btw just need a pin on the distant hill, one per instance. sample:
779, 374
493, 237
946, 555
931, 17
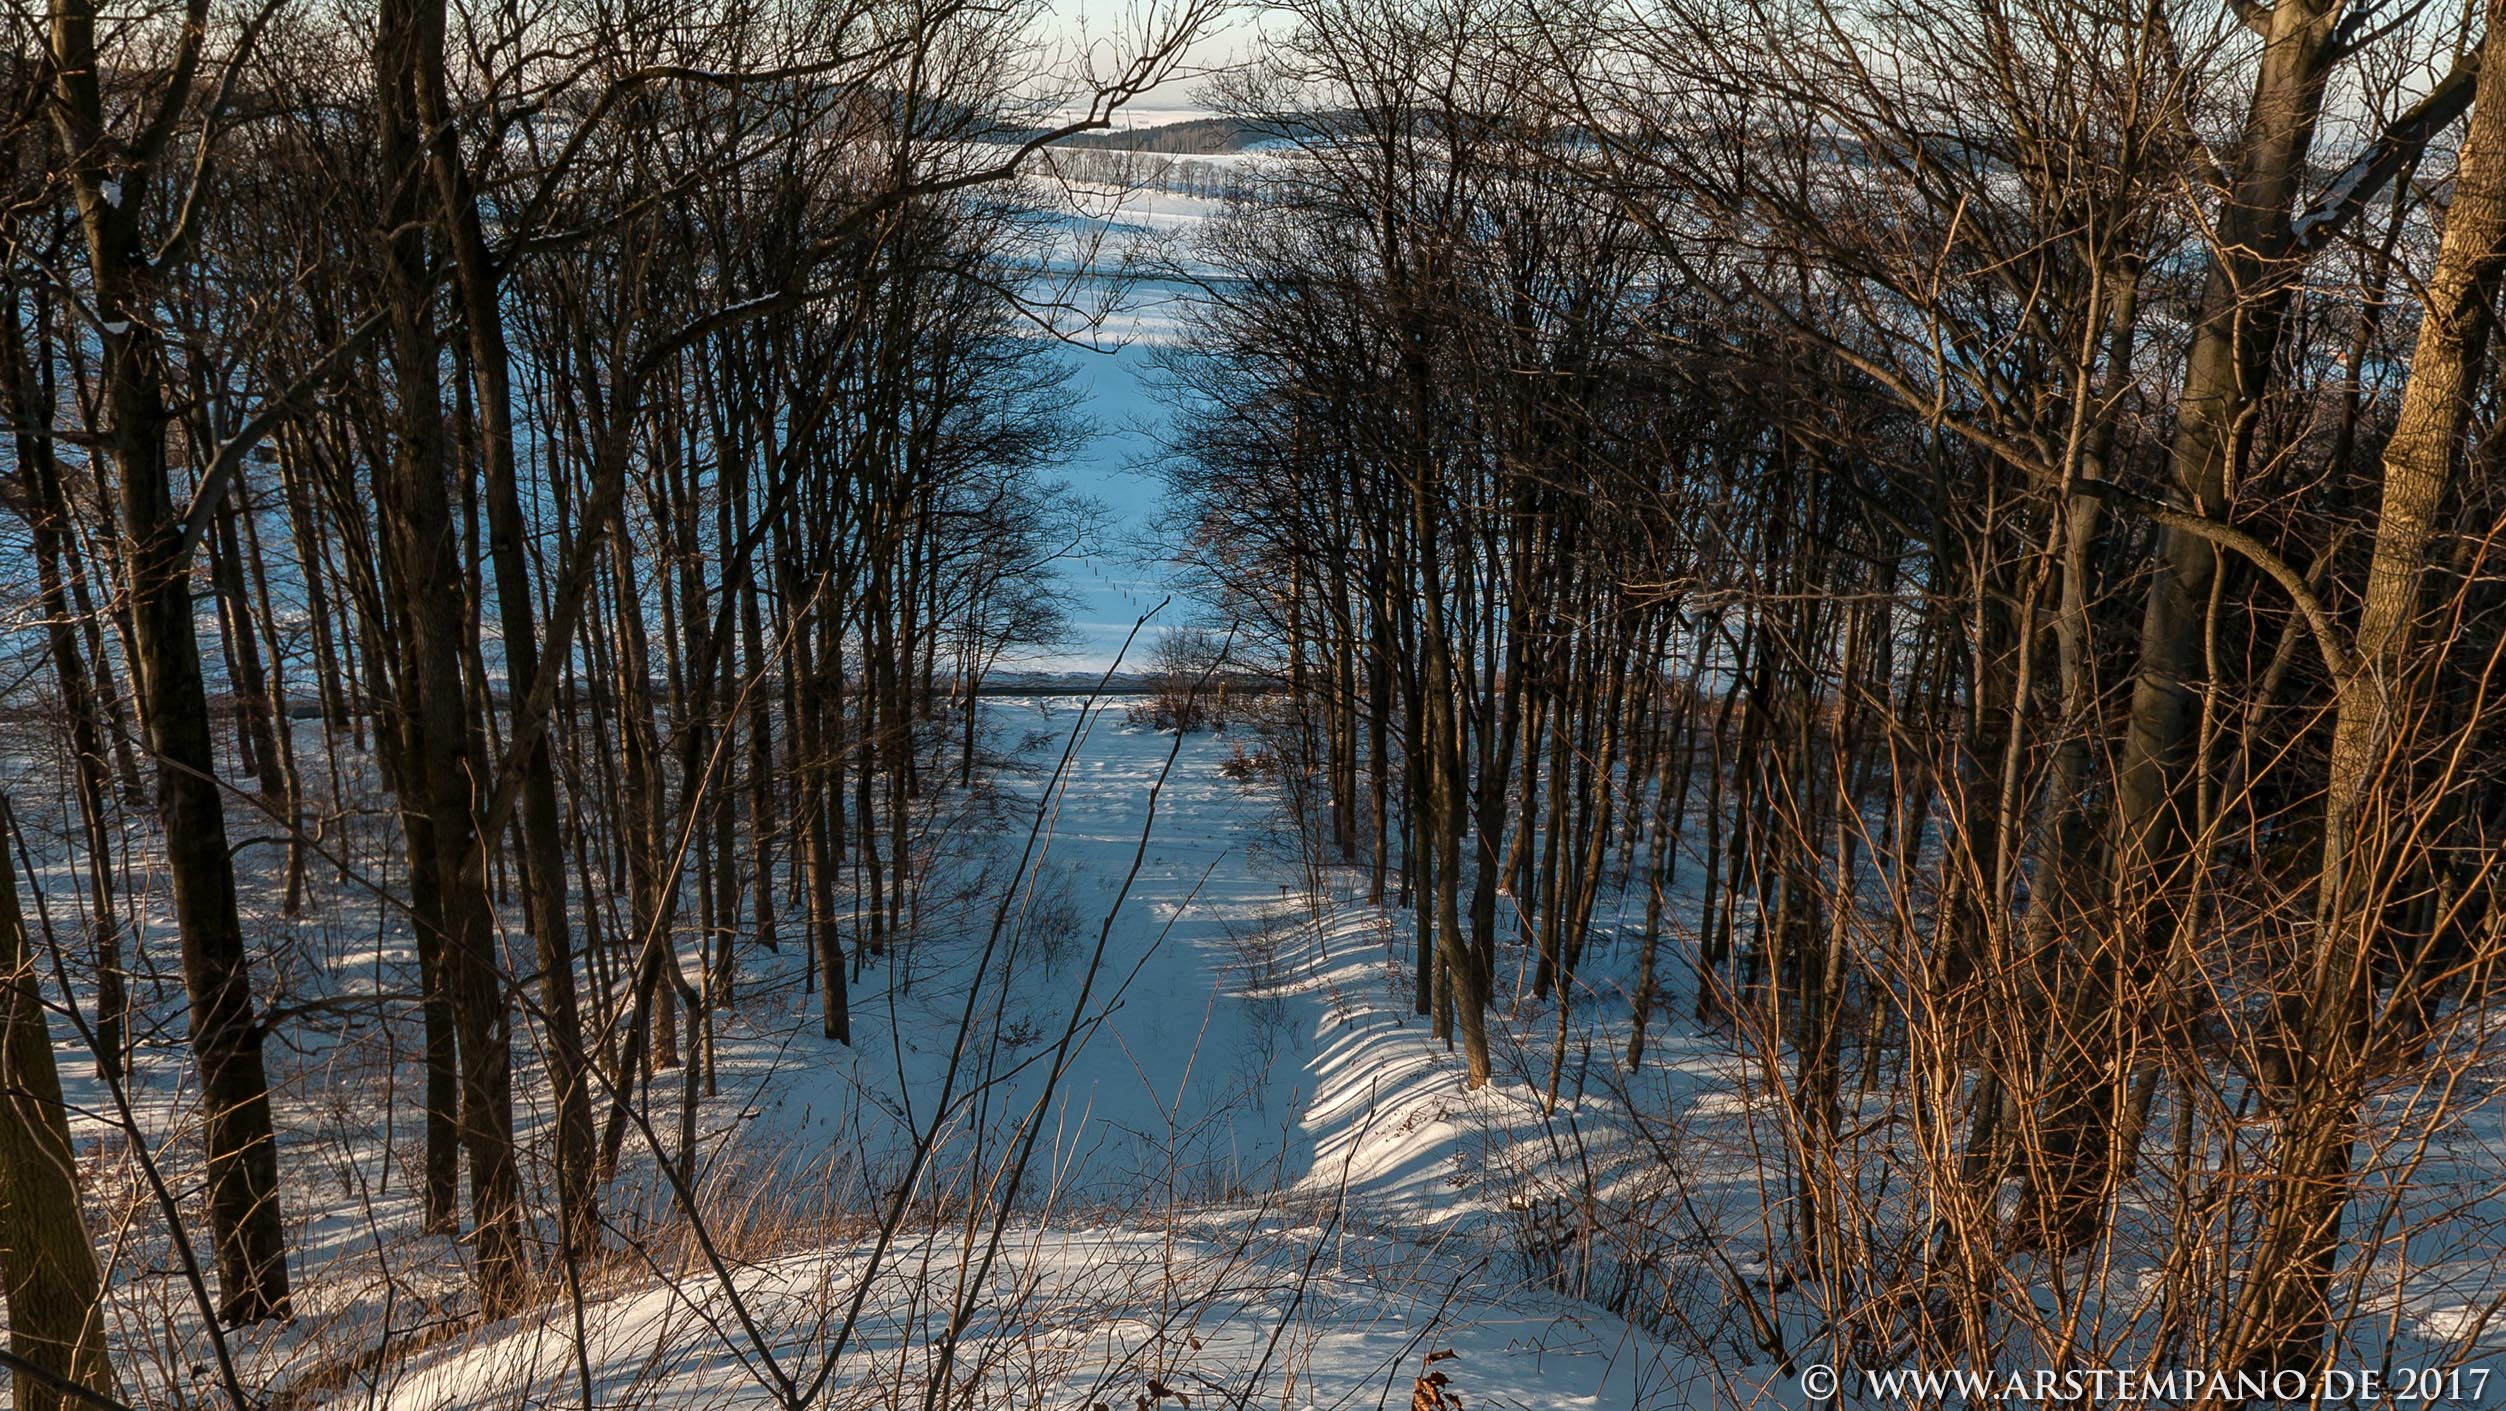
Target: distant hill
1194, 137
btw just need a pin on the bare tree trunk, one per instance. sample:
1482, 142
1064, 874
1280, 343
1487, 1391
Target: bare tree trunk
49, 519
543, 863
2286, 1302
418, 527
55, 1298
2244, 301
156, 553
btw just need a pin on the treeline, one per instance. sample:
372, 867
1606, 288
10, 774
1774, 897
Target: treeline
619, 434
1953, 507
1126, 170
1188, 137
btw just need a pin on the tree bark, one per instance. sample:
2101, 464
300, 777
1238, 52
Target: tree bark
2285, 1307
476, 281
418, 527
56, 1307
226, 1035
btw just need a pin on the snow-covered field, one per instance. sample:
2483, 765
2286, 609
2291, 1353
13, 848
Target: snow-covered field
1115, 299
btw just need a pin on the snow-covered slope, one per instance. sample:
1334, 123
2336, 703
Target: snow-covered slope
1256, 1180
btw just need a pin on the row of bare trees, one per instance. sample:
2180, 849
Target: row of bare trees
1981, 513
616, 433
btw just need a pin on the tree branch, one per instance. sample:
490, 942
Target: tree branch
2327, 633
221, 471
2373, 169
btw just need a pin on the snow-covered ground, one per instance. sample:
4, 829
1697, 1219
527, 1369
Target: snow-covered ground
1119, 581
1197, 1140
1107, 288
1257, 1175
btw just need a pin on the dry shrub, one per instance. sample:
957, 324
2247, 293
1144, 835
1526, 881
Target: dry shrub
1185, 689
1245, 768
1431, 1390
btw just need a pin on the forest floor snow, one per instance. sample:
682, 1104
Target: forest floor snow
1255, 1182
1178, 1127
1245, 1171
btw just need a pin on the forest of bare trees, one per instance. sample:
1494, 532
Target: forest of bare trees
611, 432
1982, 513
1938, 549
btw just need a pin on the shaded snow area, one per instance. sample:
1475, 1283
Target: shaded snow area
1141, 1103
1256, 1179
1119, 580
1204, 1145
